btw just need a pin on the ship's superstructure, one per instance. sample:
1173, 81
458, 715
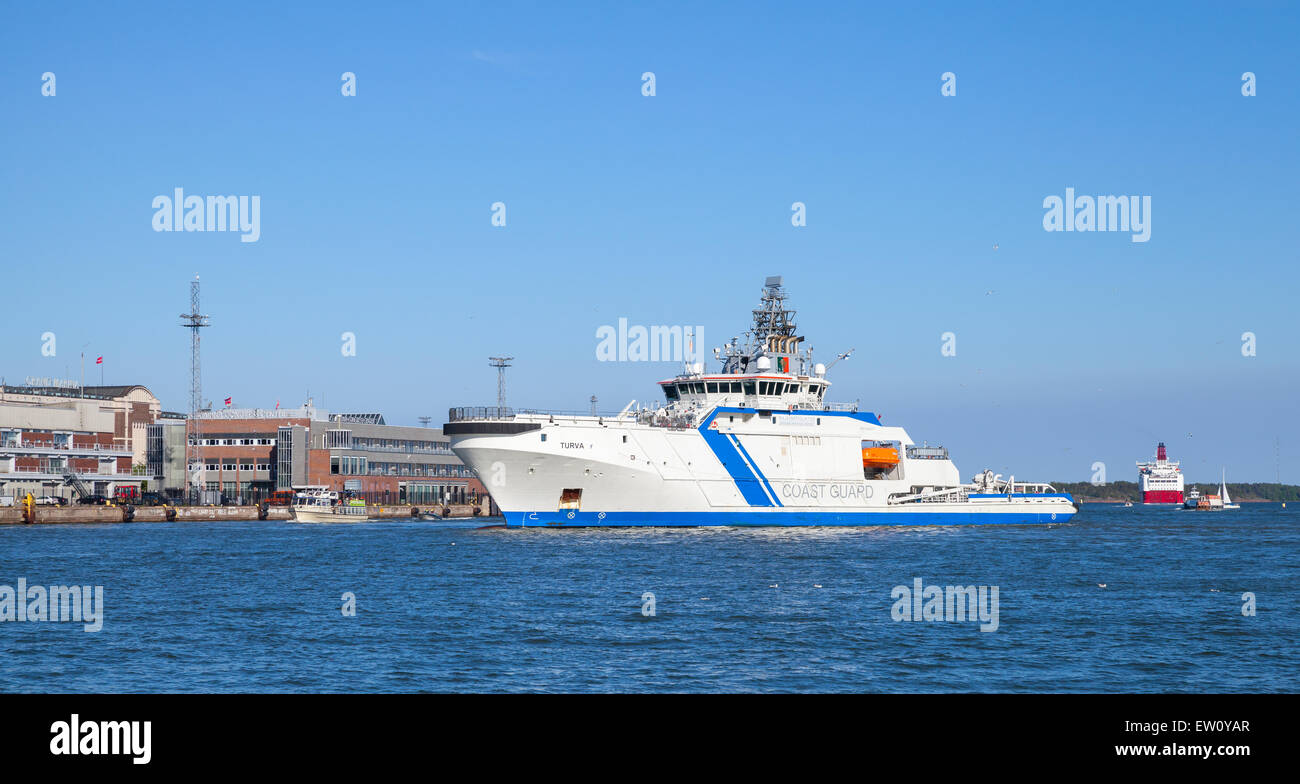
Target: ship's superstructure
753, 444
1161, 481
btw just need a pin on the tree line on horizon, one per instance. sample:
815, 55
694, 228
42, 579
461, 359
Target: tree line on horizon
1129, 491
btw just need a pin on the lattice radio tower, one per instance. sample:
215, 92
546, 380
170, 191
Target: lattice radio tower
194, 468
500, 363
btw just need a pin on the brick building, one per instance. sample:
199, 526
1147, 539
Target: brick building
237, 446
132, 408
249, 453
48, 447
383, 463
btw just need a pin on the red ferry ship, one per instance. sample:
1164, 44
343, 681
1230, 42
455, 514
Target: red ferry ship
1161, 482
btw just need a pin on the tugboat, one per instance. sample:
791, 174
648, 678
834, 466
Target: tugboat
1210, 502
322, 505
755, 443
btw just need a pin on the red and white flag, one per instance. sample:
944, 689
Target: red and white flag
99, 360
228, 401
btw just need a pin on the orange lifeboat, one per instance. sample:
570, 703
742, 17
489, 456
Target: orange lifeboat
879, 457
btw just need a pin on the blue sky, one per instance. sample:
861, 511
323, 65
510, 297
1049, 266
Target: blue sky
671, 209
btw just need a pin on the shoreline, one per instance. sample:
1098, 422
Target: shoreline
80, 515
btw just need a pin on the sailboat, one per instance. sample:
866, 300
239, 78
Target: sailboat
1223, 492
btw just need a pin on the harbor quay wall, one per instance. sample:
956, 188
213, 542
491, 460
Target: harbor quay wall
54, 515
78, 514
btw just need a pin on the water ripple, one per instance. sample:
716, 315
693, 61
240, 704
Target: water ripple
231, 606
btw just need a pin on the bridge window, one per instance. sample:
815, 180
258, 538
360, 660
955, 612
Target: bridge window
670, 392
713, 387
749, 387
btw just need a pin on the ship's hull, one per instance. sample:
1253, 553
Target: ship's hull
1162, 497
302, 515
953, 514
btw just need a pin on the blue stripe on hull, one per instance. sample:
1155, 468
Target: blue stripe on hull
753, 466
726, 450
743, 469
776, 518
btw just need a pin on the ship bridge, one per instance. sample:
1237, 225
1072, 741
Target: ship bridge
750, 391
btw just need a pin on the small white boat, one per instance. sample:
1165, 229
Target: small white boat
1223, 492
321, 505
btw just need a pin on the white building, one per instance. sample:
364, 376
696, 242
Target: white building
46, 444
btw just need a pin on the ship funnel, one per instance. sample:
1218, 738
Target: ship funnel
1160, 451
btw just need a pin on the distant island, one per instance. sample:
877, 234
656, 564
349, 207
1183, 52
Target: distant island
1248, 492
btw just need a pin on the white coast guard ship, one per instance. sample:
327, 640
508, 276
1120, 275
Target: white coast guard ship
754, 444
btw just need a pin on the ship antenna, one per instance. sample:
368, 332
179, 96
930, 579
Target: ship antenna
500, 363
845, 355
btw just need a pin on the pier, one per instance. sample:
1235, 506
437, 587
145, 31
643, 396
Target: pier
57, 515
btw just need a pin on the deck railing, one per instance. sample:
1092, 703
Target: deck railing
65, 447
470, 413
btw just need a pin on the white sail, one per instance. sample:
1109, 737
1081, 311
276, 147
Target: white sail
1223, 489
